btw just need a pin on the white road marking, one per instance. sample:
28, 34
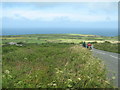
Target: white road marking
101, 52
114, 56
107, 54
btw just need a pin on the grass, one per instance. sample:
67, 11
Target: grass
108, 47
52, 65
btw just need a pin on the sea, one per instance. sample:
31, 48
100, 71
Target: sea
23, 31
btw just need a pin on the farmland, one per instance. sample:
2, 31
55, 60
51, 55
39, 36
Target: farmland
56, 38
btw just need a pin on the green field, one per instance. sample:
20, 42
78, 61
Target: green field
55, 38
52, 61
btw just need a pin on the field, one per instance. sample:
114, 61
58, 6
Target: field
52, 66
52, 61
56, 38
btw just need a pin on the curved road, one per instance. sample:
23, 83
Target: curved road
111, 61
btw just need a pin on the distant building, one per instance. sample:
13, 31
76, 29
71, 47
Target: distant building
12, 43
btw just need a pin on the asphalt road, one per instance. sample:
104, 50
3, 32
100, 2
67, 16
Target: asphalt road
111, 62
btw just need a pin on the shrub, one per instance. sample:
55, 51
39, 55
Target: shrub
93, 42
20, 43
107, 42
80, 42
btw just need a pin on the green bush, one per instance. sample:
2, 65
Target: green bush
107, 42
93, 42
80, 42
20, 43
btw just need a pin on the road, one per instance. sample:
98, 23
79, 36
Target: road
111, 61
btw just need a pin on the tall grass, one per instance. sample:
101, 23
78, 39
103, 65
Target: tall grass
52, 66
107, 47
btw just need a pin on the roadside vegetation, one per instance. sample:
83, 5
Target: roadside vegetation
107, 46
51, 65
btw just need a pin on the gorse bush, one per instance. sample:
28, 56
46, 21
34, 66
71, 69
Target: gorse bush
20, 43
52, 66
106, 42
93, 42
5, 49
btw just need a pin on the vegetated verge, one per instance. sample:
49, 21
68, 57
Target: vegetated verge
107, 46
52, 66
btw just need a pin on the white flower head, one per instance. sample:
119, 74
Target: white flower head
25, 58
113, 77
3, 76
54, 84
7, 71
79, 78
10, 76
70, 80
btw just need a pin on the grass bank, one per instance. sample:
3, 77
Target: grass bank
107, 47
52, 66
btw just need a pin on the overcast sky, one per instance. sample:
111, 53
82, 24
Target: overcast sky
60, 15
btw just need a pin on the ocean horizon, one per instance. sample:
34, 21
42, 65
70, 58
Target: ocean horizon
101, 32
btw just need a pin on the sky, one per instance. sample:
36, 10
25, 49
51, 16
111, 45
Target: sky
80, 15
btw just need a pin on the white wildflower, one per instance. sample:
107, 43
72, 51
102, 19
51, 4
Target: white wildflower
3, 76
107, 82
113, 77
88, 77
19, 82
79, 78
70, 80
25, 58
66, 64
35, 75
54, 84
61, 71
49, 84
69, 85
7, 71
9, 76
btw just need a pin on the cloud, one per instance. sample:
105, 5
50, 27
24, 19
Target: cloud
94, 12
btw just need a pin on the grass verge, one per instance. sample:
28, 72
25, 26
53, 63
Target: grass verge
52, 66
107, 47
